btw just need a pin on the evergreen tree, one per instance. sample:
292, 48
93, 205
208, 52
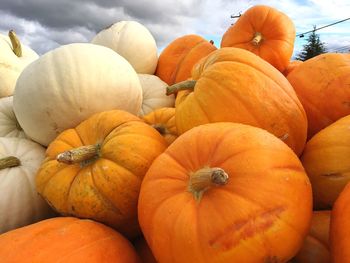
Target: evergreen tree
312, 48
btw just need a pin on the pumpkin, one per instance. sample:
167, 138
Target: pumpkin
316, 244
69, 84
154, 94
14, 57
143, 250
225, 192
20, 204
95, 170
339, 237
291, 66
66, 239
266, 32
322, 85
133, 41
9, 126
177, 59
326, 159
163, 120
235, 85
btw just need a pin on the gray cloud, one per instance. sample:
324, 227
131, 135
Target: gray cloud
47, 24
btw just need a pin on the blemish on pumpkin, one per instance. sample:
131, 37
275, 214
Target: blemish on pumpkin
246, 228
332, 175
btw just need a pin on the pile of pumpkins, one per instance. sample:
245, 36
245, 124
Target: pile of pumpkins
111, 153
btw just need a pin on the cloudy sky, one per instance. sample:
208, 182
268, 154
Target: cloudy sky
45, 25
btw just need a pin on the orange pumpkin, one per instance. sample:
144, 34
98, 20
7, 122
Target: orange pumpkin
339, 237
291, 66
163, 120
66, 239
326, 159
225, 192
264, 31
322, 85
143, 250
233, 84
95, 170
316, 244
177, 59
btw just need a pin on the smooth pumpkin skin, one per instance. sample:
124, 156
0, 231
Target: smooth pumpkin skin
326, 159
177, 59
276, 28
291, 66
316, 244
154, 94
261, 215
66, 239
69, 84
237, 86
163, 120
11, 65
133, 41
107, 189
20, 205
322, 85
9, 126
339, 237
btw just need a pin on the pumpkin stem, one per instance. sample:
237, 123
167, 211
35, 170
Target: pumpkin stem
83, 154
10, 161
160, 128
205, 178
183, 85
257, 39
16, 44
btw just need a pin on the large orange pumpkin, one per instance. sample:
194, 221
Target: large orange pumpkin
177, 59
322, 84
95, 170
316, 244
264, 31
163, 120
340, 228
66, 239
326, 159
225, 192
233, 84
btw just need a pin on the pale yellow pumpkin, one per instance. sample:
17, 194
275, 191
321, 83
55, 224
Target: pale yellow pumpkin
69, 84
9, 126
20, 204
133, 41
154, 94
13, 58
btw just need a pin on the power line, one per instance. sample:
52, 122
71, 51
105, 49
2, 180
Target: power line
315, 29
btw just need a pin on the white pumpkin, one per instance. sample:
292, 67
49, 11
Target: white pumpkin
9, 126
69, 84
133, 41
20, 204
11, 63
154, 94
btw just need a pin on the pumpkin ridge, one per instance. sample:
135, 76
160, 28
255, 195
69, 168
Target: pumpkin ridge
101, 196
238, 97
67, 202
178, 65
